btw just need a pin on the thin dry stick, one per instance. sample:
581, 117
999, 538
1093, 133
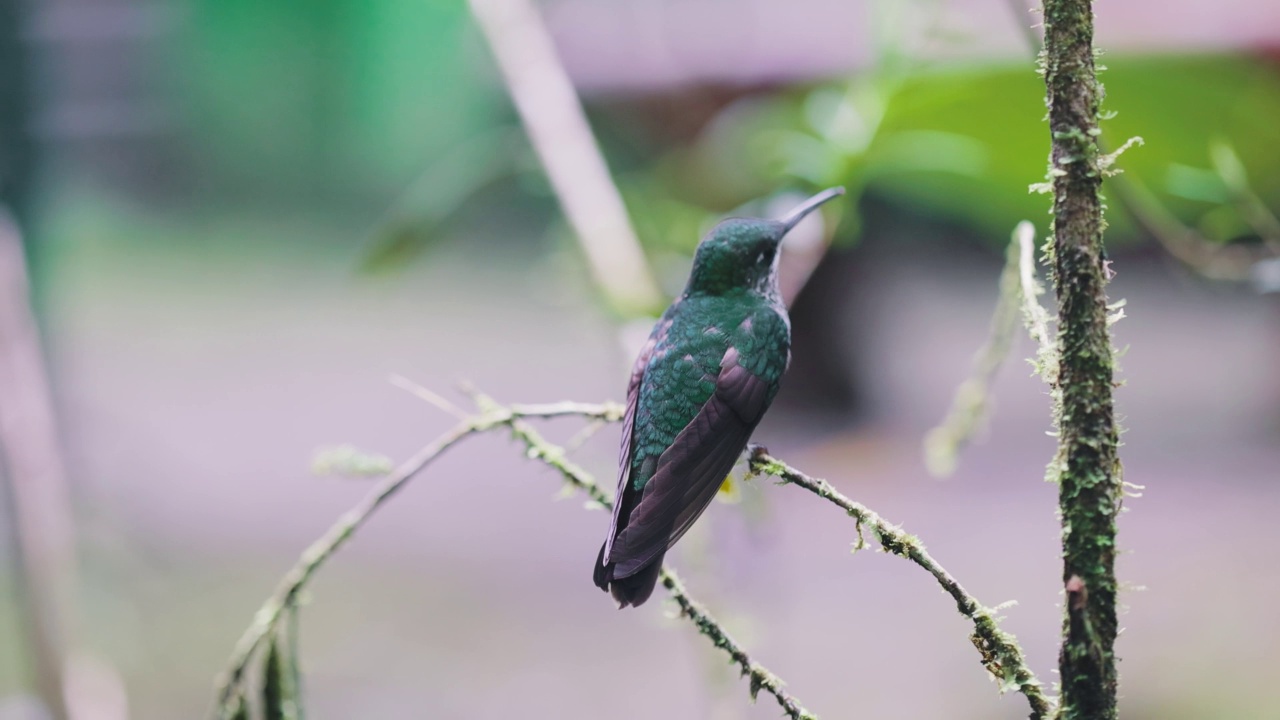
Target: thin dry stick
561, 136
1216, 261
609, 411
1019, 291
969, 407
1001, 654
427, 394
1227, 164
1036, 317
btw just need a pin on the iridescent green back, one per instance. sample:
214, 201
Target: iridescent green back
692, 339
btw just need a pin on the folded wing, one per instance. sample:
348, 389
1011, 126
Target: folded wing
690, 471
626, 496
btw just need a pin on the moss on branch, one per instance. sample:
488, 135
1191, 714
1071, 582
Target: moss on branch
1001, 655
258, 651
1000, 652
1086, 466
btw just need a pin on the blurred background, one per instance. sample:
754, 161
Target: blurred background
239, 218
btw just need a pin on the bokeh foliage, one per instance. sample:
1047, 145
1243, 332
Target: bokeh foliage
389, 105
965, 143
330, 94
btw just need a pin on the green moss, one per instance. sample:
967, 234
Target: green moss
1085, 465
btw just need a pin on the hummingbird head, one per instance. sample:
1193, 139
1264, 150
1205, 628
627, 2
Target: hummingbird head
742, 253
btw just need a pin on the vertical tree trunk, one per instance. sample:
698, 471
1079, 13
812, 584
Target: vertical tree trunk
1086, 467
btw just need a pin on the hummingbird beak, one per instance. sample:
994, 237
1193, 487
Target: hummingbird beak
808, 206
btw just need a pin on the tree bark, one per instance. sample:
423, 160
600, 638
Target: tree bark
1086, 467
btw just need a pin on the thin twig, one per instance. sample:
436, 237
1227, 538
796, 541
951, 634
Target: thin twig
969, 407
609, 411
427, 394
1226, 163
1001, 654
760, 677
587, 432
1034, 315
1213, 260
1019, 289
286, 593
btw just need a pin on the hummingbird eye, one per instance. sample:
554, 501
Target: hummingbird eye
763, 251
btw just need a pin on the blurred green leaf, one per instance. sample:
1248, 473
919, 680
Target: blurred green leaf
1175, 103
966, 143
328, 94
414, 221
1195, 184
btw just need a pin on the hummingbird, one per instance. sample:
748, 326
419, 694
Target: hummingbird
698, 388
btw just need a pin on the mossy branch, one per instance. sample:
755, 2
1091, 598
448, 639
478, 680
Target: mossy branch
1000, 652
267, 619
1019, 294
1001, 655
1034, 316
1086, 467
552, 115
264, 630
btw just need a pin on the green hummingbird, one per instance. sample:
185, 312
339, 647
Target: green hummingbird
699, 387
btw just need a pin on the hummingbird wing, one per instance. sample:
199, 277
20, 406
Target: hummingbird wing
691, 470
625, 497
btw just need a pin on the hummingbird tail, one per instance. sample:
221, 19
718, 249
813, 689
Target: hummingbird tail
602, 573
632, 590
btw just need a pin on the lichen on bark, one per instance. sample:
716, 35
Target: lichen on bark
1086, 466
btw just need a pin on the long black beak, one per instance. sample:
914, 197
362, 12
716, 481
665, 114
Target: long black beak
809, 206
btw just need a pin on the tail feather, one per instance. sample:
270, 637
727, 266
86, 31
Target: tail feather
635, 589
632, 590
602, 572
